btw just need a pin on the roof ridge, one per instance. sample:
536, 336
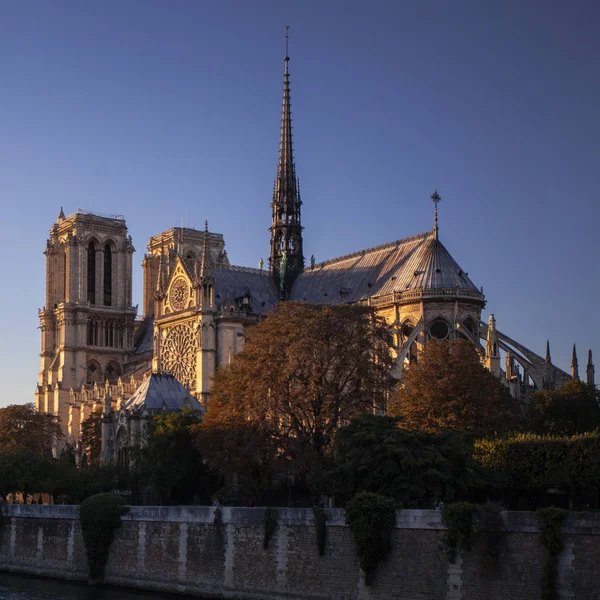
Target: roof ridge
242, 269
396, 243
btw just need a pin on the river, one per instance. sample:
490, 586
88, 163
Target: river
22, 587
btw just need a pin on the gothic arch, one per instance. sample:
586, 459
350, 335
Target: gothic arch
94, 372
93, 247
113, 372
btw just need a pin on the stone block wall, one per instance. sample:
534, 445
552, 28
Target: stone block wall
181, 549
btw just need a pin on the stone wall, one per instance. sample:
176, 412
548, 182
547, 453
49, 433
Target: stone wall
180, 549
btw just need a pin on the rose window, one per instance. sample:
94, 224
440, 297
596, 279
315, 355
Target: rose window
178, 354
179, 294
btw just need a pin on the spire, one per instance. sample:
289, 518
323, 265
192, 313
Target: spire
61, 215
286, 260
574, 365
205, 261
548, 357
436, 199
162, 271
491, 348
590, 371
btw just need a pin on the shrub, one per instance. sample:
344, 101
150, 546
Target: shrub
100, 517
372, 519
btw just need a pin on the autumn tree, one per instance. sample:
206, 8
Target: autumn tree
449, 389
23, 429
91, 437
304, 372
571, 409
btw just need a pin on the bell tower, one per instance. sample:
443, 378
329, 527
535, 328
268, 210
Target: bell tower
87, 323
286, 260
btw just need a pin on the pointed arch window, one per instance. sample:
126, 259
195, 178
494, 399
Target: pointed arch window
107, 275
91, 273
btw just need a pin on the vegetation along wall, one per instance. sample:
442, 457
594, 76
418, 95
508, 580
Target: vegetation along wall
225, 553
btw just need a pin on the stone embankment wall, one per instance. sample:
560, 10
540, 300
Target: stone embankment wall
181, 549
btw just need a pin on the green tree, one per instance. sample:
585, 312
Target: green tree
91, 437
23, 429
170, 463
448, 389
571, 409
303, 373
372, 454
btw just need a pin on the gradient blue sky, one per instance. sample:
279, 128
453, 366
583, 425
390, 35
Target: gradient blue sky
160, 110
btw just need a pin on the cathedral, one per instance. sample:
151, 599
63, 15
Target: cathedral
99, 355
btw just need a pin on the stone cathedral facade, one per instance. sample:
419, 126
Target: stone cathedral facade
99, 355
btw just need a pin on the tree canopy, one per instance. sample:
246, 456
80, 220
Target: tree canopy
571, 409
304, 372
449, 389
23, 429
372, 454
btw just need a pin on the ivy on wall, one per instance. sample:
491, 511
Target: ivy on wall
321, 528
270, 525
100, 516
550, 520
372, 519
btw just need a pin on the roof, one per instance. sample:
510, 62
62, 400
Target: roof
143, 341
233, 282
162, 391
418, 262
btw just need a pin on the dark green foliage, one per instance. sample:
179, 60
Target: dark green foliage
373, 454
532, 464
270, 525
550, 520
321, 528
571, 409
458, 519
100, 517
171, 464
488, 533
372, 519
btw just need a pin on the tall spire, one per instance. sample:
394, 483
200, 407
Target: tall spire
548, 357
574, 365
590, 371
286, 260
436, 199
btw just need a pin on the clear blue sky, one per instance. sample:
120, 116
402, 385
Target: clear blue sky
163, 109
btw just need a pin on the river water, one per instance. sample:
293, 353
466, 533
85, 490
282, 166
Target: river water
22, 587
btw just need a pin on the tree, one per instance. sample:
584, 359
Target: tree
170, 462
304, 372
449, 389
91, 437
571, 409
23, 429
374, 455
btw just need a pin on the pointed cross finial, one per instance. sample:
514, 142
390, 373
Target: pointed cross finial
574, 365
436, 199
548, 357
206, 226
287, 39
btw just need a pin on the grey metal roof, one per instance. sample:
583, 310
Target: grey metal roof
232, 282
143, 341
162, 391
418, 262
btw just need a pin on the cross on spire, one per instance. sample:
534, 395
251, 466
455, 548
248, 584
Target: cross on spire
436, 199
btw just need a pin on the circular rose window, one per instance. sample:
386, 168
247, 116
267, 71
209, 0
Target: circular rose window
179, 294
439, 330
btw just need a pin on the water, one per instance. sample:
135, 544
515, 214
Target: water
23, 587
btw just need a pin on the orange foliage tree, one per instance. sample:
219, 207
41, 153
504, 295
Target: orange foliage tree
449, 389
304, 372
